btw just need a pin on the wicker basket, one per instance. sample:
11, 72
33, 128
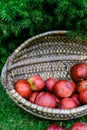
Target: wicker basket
49, 54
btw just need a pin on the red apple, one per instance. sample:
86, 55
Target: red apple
64, 88
79, 126
67, 103
33, 96
81, 85
76, 98
55, 127
57, 100
46, 99
36, 82
83, 96
50, 82
79, 72
23, 88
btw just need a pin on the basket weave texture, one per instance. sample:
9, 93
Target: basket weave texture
50, 54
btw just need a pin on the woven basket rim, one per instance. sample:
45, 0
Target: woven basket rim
56, 110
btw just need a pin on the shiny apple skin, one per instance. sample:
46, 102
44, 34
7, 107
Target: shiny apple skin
50, 82
79, 126
76, 98
81, 85
36, 82
68, 103
78, 72
46, 99
83, 96
33, 96
23, 88
64, 88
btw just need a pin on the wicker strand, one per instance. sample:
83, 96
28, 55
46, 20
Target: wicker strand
47, 59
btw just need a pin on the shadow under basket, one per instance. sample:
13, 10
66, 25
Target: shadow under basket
50, 54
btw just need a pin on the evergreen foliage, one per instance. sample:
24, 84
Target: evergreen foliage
21, 19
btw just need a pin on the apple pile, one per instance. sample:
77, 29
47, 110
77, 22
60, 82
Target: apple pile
54, 93
75, 126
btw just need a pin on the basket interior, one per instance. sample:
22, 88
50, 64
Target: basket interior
34, 57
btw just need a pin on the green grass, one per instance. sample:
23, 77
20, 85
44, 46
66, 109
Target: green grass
12, 117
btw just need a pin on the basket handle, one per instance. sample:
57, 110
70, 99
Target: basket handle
48, 59
6, 80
